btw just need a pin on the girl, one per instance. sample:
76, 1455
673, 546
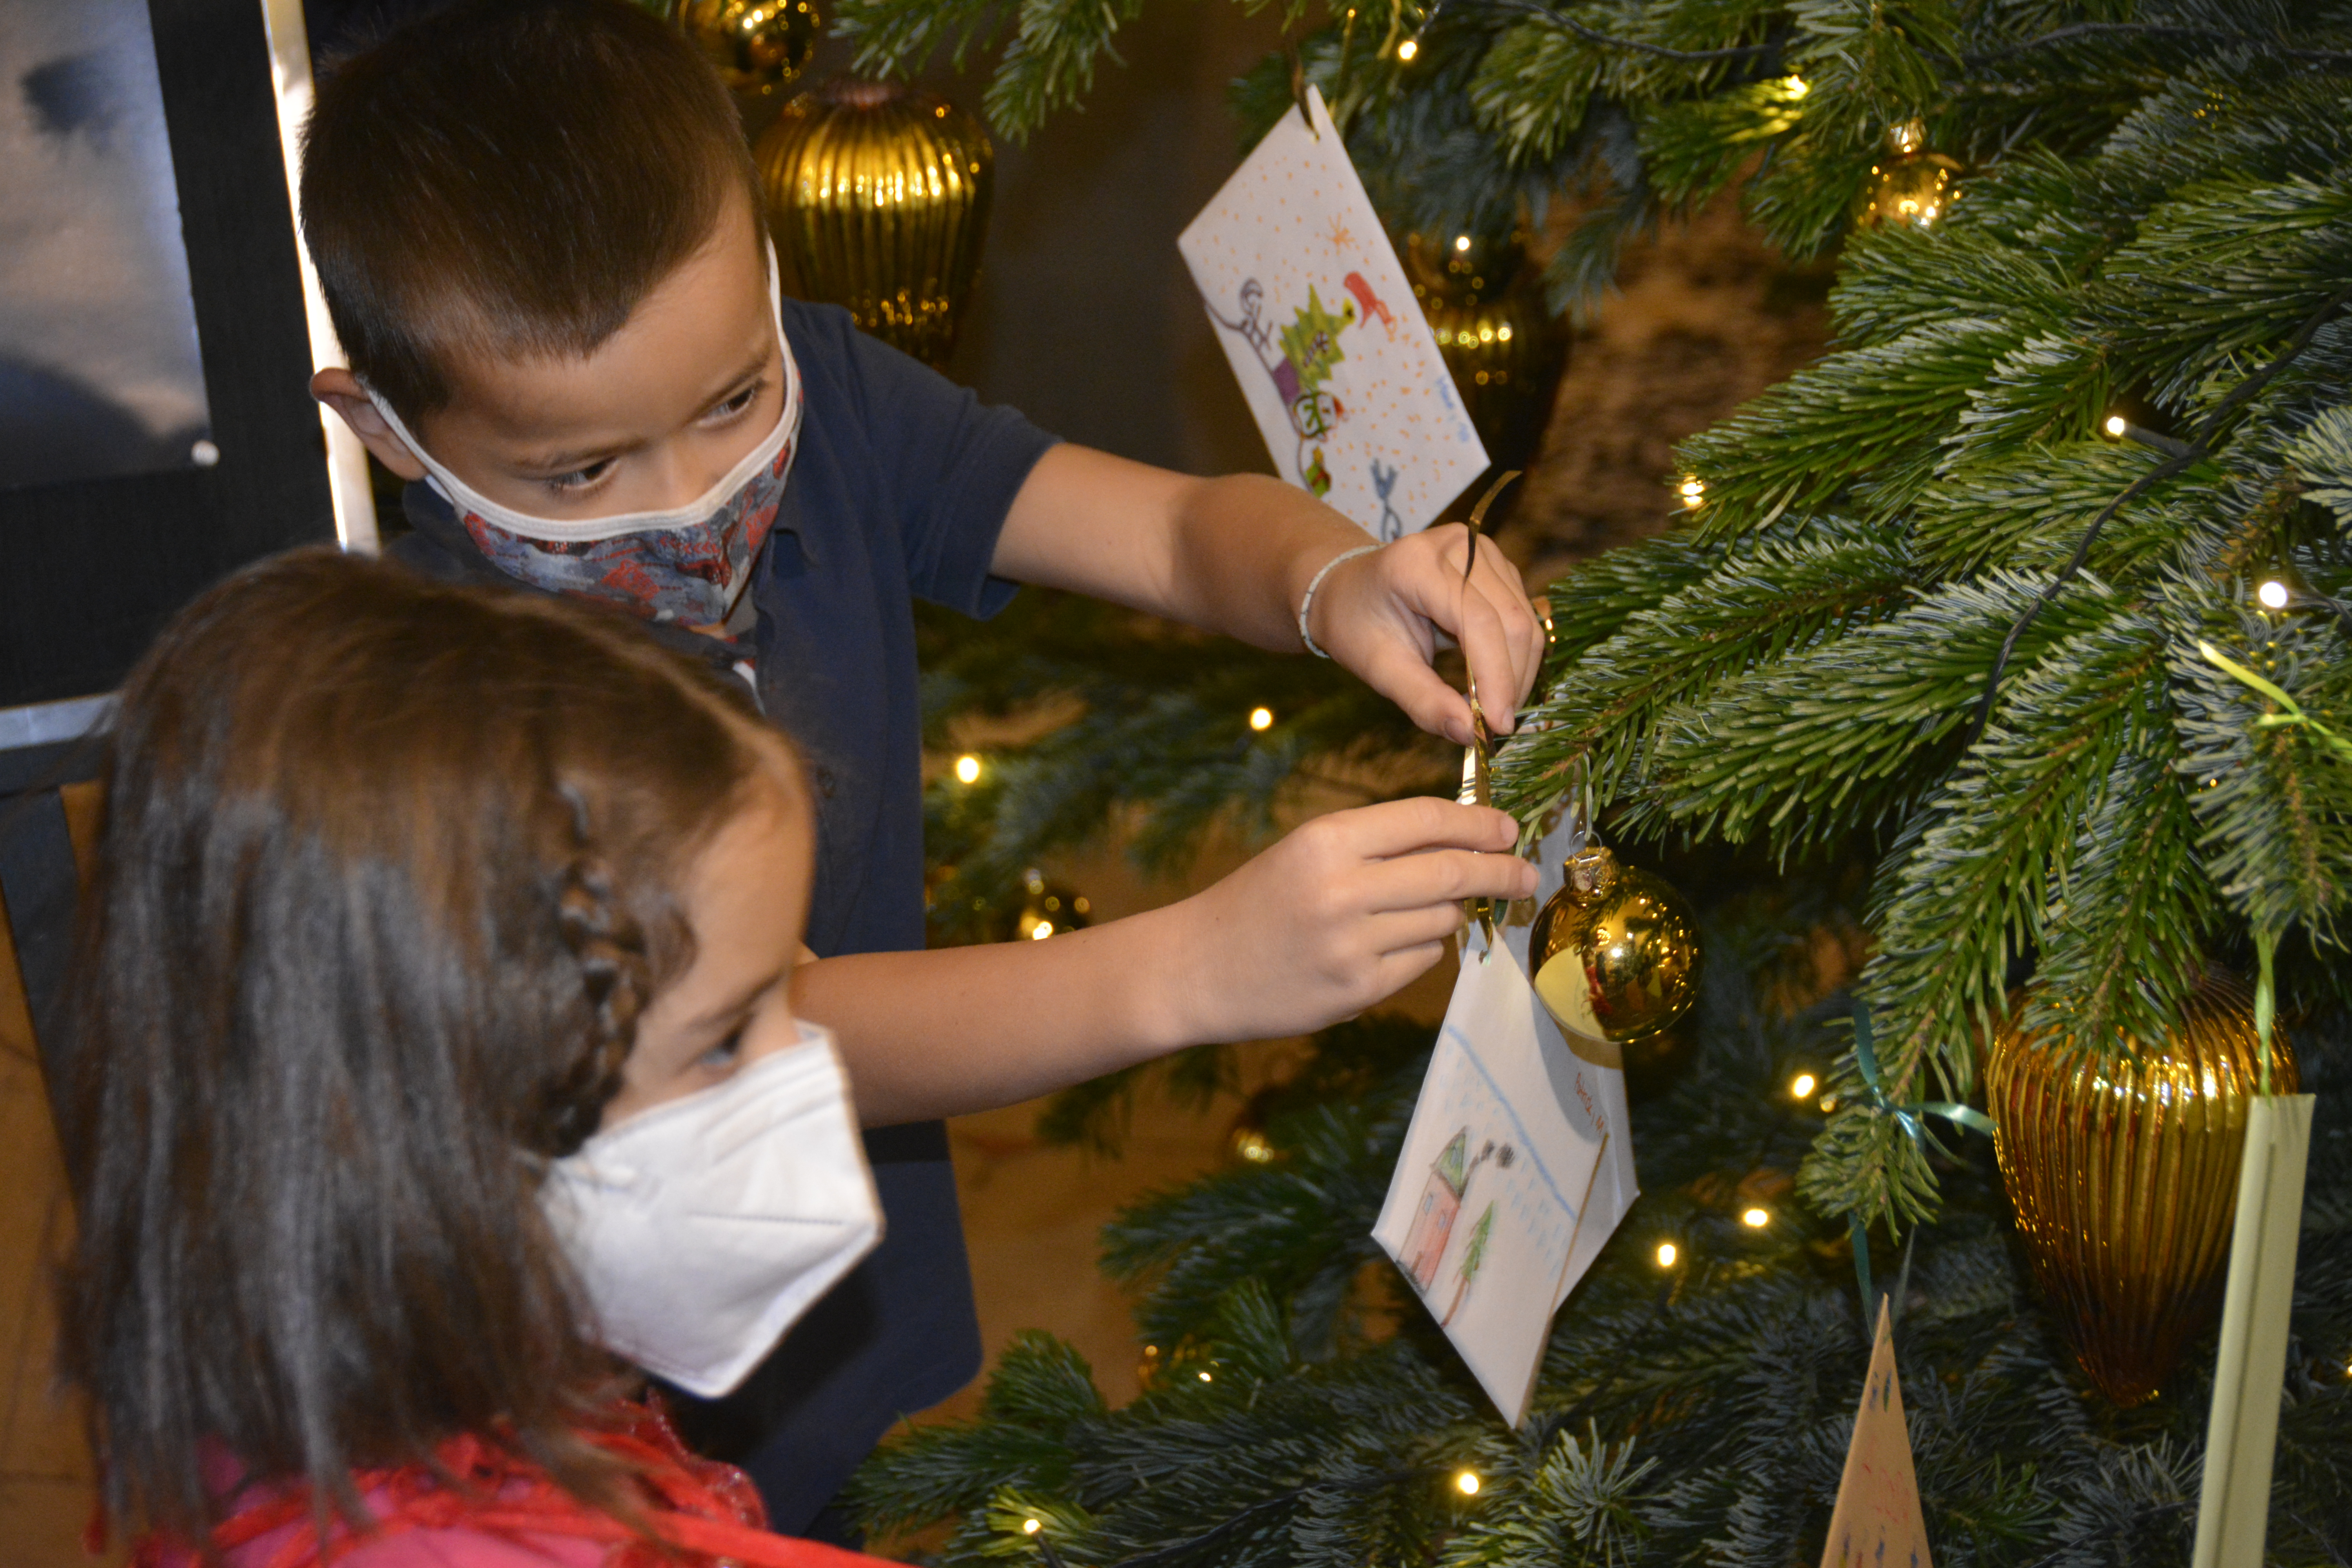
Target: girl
432, 1042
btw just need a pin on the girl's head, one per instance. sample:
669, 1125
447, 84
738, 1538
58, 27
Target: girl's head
403, 890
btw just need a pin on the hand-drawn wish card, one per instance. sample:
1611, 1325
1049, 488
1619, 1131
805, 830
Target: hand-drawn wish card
1506, 1186
1877, 1522
1313, 307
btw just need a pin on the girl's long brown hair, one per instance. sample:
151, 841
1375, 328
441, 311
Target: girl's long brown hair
385, 874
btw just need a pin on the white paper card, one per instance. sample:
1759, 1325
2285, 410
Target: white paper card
1605, 1062
1508, 1183
1340, 369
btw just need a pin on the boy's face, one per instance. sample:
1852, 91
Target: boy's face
648, 421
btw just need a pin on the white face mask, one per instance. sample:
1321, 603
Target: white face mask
688, 565
702, 1228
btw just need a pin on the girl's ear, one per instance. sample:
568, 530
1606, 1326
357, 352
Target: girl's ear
340, 390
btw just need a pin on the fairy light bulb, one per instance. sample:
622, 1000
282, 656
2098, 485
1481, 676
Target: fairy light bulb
1032, 1526
1796, 87
1801, 1086
1693, 489
2273, 594
2116, 425
1407, 49
1206, 1378
1756, 1220
967, 769
1261, 718
1466, 1482
1667, 1254
1460, 242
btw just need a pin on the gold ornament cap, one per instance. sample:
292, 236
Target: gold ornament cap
1591, 874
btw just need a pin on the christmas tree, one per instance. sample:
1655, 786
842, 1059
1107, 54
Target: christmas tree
2028, 598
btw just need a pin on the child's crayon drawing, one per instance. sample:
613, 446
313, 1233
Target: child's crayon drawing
1506, 1186
1877, 1522
1332, 352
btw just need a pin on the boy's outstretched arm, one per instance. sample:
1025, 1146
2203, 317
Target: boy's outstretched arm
1237, 555
1334, 917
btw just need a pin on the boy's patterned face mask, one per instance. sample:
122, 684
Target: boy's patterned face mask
688, 565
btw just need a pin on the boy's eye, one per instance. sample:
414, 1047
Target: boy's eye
730, 407
580, 479
723, 1054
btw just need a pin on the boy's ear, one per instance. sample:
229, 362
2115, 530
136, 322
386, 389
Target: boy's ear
340, 390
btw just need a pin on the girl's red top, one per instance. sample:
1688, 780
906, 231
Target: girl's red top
491, 1508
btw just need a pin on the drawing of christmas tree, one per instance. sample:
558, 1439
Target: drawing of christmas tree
1474, 1258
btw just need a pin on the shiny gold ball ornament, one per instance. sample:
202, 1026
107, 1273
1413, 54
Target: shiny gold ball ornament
1502, 344
756, 46
877, 194
1913, 184
2122, 1163
1615, 952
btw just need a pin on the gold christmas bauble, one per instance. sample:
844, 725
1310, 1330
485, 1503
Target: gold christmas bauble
1912, 185
2122, 1163
878, 196
1614, 954
1503, 345
756, 46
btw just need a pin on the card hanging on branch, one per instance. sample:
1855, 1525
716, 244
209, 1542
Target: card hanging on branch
1517, 1168
1877, 1522
1340, 369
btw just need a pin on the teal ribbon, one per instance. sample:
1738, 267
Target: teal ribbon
1865, 1058
1910, 1116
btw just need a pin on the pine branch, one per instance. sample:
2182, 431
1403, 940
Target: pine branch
1767, 598
2171, 33
1846, 736
1870, 413
2131, 923
2276, 802
1969, 891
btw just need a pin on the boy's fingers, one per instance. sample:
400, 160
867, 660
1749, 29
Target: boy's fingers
1403, 967
1446, 877
1403, 930
1494, 663
1499, 599
1427, 701
1407, 828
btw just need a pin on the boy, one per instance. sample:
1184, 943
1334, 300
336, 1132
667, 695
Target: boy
536, 226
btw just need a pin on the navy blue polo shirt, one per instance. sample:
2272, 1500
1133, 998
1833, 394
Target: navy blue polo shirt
898, 488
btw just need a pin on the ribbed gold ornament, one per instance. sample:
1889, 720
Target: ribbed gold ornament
2125, 1177
878, 196
1614, 954
1503, 345
756, 46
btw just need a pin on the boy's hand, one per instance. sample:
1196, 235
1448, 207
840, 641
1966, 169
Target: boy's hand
1235, 554
1338, 916
1379, 614
1333, 919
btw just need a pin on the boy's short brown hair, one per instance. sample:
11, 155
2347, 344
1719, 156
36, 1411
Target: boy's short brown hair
509, 178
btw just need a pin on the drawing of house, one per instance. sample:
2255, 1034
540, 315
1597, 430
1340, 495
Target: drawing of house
1441, 1205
